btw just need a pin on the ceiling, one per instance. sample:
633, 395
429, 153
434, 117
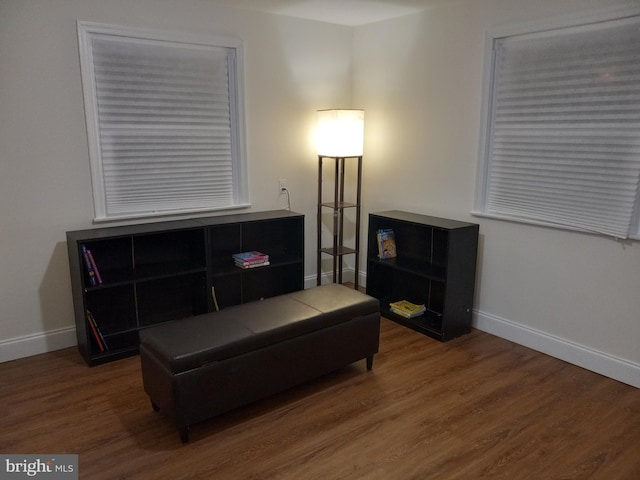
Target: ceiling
343, 12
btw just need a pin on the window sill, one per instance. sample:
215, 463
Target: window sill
475, 213
167, 215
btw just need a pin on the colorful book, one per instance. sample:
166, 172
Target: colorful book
95, 267
89, 266
253, 265
97, 334
407, 309
386, 243
252, 256
251, 262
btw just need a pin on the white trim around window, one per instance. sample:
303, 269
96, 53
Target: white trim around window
165, 121
560, 139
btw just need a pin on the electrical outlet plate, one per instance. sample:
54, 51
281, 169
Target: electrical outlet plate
282, 185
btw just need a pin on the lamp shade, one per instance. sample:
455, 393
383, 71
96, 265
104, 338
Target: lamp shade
340, 133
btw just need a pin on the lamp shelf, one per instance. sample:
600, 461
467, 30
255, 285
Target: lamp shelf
342, 250
339, 205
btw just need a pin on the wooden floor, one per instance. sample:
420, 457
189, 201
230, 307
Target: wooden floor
476, 407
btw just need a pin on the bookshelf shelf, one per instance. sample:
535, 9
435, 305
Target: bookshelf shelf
413, 266
435, 266
157, 272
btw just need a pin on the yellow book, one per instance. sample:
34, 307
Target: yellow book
407, 307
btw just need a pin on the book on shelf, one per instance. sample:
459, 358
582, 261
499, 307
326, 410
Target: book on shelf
251, 262
97, 334
386, 243
253, 265
95, 267
91, 267
251, 256
250, 259
407, 309
88, 266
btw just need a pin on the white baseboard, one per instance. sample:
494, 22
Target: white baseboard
310, 282
603, 363
327, 277
37, 343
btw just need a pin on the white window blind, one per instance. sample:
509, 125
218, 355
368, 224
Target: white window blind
563, 144
163, 118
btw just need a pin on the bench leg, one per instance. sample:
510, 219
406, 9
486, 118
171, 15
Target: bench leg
369, 362
184, 434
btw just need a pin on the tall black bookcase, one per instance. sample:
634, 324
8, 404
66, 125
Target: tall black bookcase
435, 266
156, 272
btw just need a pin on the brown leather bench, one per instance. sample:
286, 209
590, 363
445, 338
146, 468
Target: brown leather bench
199, 367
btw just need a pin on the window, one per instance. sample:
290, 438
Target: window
561, 145
164, 121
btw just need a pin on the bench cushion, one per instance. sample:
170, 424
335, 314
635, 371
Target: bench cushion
192, 342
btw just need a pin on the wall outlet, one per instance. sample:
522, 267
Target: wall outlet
282, 186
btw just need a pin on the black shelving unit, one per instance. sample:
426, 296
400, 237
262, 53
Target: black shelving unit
278, 234
435, 266
164, 271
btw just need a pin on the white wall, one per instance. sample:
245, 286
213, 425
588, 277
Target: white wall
293, 67
420, 80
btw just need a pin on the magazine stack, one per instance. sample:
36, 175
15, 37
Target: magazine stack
407, 309
251, 259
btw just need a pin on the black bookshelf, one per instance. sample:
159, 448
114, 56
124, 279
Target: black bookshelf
435, 266
158, 272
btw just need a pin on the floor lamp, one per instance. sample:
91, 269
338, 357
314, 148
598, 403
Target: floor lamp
340, 137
